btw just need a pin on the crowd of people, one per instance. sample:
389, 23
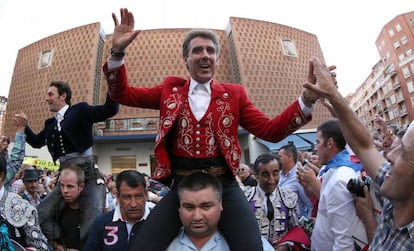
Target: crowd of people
352, 192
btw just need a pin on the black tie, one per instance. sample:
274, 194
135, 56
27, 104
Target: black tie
270, 209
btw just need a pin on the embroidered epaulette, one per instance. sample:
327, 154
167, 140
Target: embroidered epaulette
289, 198
249, 191
18, 211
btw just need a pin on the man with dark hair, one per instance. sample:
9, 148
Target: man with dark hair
68, 136
288, 155
198, 131
114, 230
337, 225
18, 219
31, 184
200, 195
275, 207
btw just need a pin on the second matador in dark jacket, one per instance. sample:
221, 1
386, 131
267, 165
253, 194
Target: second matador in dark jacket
68, 136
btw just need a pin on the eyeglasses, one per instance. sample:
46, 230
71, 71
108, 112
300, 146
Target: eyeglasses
241, 170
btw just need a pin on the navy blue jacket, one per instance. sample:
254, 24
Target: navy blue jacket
76, 127
106, 235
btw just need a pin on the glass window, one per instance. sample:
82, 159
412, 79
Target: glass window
404, 40
396, 44
391, 32
406, 72
45, 59
398, 27
410, 86
122, 163
289, 48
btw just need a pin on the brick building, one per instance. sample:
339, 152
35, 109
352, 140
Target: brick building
389, 89
270, 60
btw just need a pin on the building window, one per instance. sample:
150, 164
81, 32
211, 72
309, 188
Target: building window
398, 27
396, 44
404, 40
410, 86
289, 48
393, 100
396, 113
401, 57
406, 72
412, 66
122, 163
45, 59
391, 32
409, 52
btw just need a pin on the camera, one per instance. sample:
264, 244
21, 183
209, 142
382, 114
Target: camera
306, 224
356, 186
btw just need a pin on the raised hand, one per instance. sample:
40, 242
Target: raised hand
322, 80
124, 32
308, 94
20, 120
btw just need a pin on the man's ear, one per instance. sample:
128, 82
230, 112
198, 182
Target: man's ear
63, 96
185, 62
82, 187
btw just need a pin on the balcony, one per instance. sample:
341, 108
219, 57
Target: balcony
126, 126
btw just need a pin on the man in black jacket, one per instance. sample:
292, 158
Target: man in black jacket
68, 136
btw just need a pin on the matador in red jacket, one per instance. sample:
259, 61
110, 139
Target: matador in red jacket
198, 131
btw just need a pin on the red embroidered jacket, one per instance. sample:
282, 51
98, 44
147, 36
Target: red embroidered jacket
233, 108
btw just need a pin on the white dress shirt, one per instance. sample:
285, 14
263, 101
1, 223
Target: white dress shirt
199, 96
59, 116
336, 221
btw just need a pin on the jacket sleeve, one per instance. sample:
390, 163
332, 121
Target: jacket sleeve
35, 140
16, 157
273, 129
102, 112
95, 241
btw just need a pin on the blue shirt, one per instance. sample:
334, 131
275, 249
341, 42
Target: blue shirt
215, 243
290, 182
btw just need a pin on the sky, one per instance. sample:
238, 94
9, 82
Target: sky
346, 30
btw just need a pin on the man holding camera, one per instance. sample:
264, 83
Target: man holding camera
337, 225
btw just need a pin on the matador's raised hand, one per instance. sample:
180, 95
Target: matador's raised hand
124, 32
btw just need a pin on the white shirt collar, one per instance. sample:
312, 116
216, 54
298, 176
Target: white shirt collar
262, 194
62, 112
118, 216
194, 83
